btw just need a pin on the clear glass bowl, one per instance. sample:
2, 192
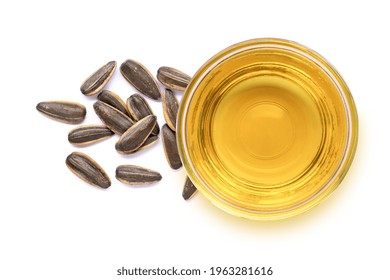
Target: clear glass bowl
267, 129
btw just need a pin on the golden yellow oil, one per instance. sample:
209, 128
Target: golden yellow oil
265, 131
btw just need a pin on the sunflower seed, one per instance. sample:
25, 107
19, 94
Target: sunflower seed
113, 100
170, 147
139, 108
152, 139
140, 78
88, 134
96, 82
87, 169
136, 175
170, 108
189, 189
63, 111
113, 118
173, 78
136, 135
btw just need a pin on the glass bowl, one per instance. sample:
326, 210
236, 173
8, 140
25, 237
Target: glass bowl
267, 129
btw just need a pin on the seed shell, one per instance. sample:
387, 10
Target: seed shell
173, 78
88, 134
113, 100
189, 189
170, 108
96, 82
88, 170
63, 111
114, 119
139, 108
140, 78
136, 135
136, 175
170, 147
152, 139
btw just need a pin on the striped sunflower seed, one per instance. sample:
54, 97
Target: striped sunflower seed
189, 189
170, 108
136, 135
136, 175
139, 108
152, 139
63, 111
96, 82
114, 119
88, 170
173, 78
140, 78
88, 134
113, 100
170, 147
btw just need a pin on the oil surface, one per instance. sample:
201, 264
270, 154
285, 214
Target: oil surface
266, 131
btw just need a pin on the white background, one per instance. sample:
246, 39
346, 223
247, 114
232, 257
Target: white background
55, 226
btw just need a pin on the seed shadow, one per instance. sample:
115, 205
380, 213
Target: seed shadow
135, 186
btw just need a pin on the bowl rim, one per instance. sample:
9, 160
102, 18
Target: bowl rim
344, 92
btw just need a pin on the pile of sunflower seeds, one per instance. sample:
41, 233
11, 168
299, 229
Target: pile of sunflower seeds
133, 121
